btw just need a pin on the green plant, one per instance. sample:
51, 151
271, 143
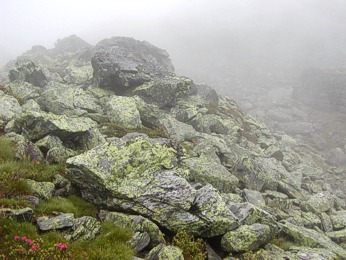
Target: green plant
13, 203
283, 243
71, 204
7, 152
110, 244
193, 249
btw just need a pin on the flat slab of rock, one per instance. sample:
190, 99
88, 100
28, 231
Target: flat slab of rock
59, 222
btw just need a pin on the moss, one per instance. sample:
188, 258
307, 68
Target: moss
113, 130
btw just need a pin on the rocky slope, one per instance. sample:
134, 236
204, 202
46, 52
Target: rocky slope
214, 171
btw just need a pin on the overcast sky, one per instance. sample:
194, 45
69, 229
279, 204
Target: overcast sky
196, 33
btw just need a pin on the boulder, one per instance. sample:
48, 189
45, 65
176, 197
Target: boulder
71, 43
139, 241
313, 253
84, 228
59, 222
320, 202
24, 214
338, 219
136, 223
205, 170
123, 111
120, 63
9, 107
311, 238
36, 125
246, 238
24, 91
28, 71
162, 252
43, 190
164, 92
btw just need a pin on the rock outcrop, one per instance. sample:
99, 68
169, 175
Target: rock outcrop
214, 171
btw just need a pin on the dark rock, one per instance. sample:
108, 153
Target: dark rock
121, 62
28, 71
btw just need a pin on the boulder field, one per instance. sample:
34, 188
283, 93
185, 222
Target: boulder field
213, 170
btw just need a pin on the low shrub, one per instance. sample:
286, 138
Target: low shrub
193, 249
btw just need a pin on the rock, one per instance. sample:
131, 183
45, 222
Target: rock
326, 222
9, 108
320, 202
310, 220
49, 142
24, 214
313, 253
31, 105
81, 75
59, 222
23, 91
246, 238
28, 71
114, 68
204, 170
36, 125
211, 254
59, 154
338, 219
89, 139
75, 101
164, 92
136, 223
254, 197
162, 252
139, 241
43, 190
272, 252
311, 238
25, 150
123, 111
71, 43
337, 236
84, 228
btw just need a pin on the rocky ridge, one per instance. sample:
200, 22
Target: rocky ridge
217, 173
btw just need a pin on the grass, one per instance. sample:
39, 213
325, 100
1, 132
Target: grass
71, 204
14, 203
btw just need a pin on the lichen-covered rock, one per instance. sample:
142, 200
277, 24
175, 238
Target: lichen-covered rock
84, 228
338, 219
272, 252
48, 142
311, 238
164, 92
24, 214
25, 150
139, 241
36, 125
59, 222
28, 71
90, 139
43, 190
59, 154
337, 236
81, 75
246, 238
313, 253
327, 225
254, 197
123, 111
31, 105
9, 107
74, 101
205, 170
23, 90
136, 223
320, 202
115, 68
162, 252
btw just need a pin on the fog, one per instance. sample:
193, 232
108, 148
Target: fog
220, 42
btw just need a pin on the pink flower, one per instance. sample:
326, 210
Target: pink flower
35, 248
16, 237
62, 246
20, 249
30, 242
24, 238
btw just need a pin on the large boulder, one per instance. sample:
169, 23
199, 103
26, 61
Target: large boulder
246, 238
36, 125
9, 107
123, 111
28, 71
121, 62
139, 175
